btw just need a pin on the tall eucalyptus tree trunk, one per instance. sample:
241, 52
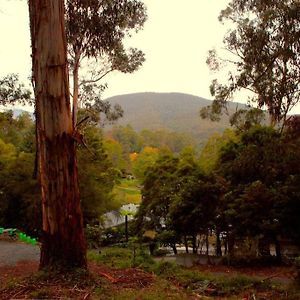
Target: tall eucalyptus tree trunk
63, 243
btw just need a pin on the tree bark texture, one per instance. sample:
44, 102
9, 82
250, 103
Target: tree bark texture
63, 243
75, 88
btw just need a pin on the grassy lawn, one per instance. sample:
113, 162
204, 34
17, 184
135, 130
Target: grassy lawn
128, 191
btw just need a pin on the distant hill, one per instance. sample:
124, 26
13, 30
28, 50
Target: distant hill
17, 111
170, 111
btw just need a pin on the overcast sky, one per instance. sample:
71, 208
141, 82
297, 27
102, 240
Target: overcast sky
176, 40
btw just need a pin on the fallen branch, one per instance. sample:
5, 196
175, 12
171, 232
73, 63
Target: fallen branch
272, 276
110, 278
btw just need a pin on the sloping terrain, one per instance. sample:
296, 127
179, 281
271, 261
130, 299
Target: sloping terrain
169, 111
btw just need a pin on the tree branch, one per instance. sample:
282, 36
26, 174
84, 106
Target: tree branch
97, 79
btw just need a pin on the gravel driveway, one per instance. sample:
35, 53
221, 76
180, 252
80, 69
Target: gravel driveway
13, 252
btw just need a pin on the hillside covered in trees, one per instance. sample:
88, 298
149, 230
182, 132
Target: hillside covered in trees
170, 111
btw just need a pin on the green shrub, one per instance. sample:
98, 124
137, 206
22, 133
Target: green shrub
165, 268
143, 259
113, 257
160, 252
93, 235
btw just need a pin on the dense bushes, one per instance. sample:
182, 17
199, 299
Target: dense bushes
252, 194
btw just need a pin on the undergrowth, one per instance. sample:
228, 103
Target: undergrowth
168, 281
190, 280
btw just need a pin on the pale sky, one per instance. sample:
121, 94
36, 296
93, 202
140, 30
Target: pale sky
176, 40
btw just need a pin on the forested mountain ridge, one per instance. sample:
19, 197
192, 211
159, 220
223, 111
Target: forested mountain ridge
174, 112
169, 111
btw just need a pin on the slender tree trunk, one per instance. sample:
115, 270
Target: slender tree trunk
174, 248
207, 243
264, 247
231, 243
194, 242
226, 244
277, 249
218, 243
207, 246
186, 244
63, 243
126, 228
75, 89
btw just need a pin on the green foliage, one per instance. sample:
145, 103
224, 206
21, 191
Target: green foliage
127, 191
19, 131
210, 153
157, 193
128, 138
175, 141
19, 193
253, 171
12, 91
113, 257
96, 177
144, 160
98, 27
20, 205
177, 199
259, 169
244, 119
194, 209
93, 235
114, 150
96, 111
193, 281
264, 48
132, 151
95, 34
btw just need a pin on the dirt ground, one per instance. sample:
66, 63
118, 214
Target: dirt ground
116, 279
19, 261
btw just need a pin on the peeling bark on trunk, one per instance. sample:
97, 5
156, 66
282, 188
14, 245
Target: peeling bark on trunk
75, 89
63, 243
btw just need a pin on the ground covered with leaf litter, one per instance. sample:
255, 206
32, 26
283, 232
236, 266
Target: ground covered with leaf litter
23, 281
112, 276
